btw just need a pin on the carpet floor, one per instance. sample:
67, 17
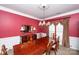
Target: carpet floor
65, 51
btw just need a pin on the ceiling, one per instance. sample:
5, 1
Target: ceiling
36, 10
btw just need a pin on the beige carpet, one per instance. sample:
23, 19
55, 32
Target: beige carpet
65, 51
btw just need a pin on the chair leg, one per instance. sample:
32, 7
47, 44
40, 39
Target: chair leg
48, 53
55, 52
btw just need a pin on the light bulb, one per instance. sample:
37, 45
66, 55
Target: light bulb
43, 22
40, 23
22, 29
48, 23
34, 28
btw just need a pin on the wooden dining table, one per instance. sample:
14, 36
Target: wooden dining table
35, 47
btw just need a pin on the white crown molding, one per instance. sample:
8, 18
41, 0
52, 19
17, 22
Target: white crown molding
64, 14
16, 12
26, 15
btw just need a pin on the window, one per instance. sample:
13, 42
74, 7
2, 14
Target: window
51, 30
59, 29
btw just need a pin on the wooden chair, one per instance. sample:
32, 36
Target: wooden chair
51, 48
55, 45
4, 50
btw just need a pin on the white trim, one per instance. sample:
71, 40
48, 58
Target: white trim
74, 42
64, 14
16, 12
26, 15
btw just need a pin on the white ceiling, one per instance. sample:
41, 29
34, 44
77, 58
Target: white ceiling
36, 11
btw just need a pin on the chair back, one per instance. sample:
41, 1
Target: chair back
4, 50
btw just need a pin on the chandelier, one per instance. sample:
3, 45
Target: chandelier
43, 23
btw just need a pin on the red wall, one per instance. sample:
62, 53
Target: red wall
10, 24
74, 25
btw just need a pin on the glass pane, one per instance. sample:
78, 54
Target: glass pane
60, 32
51, 30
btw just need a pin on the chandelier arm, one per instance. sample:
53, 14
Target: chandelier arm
43, 23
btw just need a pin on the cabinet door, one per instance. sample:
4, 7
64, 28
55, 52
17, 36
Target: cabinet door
34, 36
25, 39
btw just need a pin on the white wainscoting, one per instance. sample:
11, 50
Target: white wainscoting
9, 42
40, 35
74, 42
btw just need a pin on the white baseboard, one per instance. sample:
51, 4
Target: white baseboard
74, 42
